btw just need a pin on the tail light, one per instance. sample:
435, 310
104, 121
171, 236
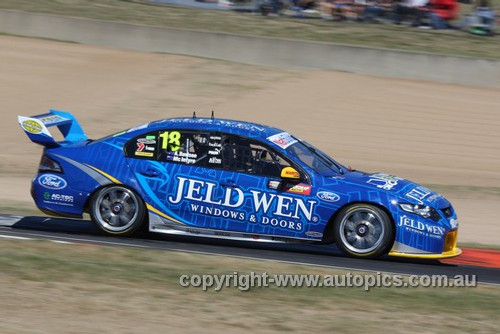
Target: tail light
49, 165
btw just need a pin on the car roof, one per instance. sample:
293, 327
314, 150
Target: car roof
215, 124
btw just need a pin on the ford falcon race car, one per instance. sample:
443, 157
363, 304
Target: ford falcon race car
229, 179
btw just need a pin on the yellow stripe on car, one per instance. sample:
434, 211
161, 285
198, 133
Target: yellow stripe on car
158, 212
104, 174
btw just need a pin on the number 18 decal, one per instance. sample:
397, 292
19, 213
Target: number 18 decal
170, 141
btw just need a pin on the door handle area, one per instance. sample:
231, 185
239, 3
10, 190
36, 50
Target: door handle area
228, 183
150, 172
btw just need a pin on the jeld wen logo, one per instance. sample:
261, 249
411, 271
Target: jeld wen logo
421, 228
271, 205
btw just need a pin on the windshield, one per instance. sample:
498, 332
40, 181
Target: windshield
315, 159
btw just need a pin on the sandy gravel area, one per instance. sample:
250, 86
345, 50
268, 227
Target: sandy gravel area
426, 132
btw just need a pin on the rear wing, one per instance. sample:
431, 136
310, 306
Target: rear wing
36, 128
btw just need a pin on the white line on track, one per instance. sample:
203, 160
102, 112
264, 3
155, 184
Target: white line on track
14, 237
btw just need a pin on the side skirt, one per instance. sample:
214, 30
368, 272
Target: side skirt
159, 224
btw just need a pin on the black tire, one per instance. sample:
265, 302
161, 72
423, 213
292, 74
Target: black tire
117, 210
363, 230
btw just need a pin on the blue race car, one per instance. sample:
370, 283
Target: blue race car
228, 179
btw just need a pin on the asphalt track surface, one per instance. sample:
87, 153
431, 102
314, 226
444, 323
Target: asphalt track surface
84, 232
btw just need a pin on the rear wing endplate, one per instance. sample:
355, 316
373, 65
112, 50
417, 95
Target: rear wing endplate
36, 128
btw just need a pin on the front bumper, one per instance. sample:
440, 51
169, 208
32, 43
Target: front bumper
450, 249
444, 255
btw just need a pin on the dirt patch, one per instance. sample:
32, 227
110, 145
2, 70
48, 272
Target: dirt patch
426, 132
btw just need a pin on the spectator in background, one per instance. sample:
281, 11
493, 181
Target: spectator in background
414, 10
374, 10
481, 19
266, 7
441, 12
343, 9
334, 9
304, 4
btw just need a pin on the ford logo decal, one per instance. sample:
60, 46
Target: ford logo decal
51, 181
328, 196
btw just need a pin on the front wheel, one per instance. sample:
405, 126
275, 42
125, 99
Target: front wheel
363, 230
117, 210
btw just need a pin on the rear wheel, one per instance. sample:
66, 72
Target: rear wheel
117, 210
363, 230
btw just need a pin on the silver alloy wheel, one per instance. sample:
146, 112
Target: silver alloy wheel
362, 230
116, 209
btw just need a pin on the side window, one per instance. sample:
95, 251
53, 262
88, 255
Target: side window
179, 146
244, 155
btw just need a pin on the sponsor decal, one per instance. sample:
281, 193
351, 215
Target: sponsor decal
51, 181
143, 144
302, 189
140, 147
314, 234
32, 126
144, 154
215, 138
383, 181
215, 151
147, 141
418, 193
283, 223
273, 184
327, 196
289, 172
215, 160
418, 227
212, 144
218, 212
49, 120
267, 208
58, 199
283, 139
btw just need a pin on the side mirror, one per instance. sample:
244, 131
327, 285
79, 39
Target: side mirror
290, 173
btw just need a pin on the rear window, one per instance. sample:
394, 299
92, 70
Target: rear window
178, 146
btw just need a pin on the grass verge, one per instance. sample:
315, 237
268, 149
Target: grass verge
451, 42
85, 288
